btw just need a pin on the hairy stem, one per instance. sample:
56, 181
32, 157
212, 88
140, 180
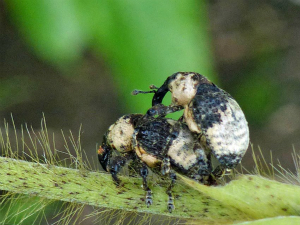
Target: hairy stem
247, 198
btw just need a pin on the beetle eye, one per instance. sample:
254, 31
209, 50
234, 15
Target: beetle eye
144, 132
151, 112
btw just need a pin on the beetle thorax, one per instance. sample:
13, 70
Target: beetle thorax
120, 134
183, 89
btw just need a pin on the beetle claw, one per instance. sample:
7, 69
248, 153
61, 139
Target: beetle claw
171, 206
149, 200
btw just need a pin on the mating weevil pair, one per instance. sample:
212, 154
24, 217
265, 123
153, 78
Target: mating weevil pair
213, 125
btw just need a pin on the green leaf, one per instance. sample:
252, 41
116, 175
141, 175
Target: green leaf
51, 27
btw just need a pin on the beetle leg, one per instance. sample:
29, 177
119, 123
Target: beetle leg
165, 166
209, 178
115, 166
217, 173
220, 171
144, 174
162, 110
171, 205
166, 169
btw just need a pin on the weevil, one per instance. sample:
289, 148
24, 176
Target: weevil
209, 111
165, 146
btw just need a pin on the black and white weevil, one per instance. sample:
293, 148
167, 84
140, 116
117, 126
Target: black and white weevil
210, 112
164, 145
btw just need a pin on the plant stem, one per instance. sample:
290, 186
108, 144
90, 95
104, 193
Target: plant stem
248, 198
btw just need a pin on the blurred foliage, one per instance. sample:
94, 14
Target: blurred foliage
141, 41
27, 210
14, 90
257, 91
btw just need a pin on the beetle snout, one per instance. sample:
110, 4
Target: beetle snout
103, 155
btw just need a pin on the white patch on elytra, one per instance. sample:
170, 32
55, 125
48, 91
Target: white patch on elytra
231, 136
181, 150
190, 120
150, 160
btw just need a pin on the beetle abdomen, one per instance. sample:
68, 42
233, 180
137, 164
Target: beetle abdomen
181, 151
221, 121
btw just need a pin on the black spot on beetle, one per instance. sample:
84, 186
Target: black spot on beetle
208, 100
230, 160
152, 136
134, 118
194, 77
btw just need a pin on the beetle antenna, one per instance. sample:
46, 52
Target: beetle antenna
136, 92
152, 86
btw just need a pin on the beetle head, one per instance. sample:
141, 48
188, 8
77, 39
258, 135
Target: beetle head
104, 153
118, 137
182, 85
162, 91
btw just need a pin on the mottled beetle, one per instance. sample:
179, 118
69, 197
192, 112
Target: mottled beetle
163, 145
208, 111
